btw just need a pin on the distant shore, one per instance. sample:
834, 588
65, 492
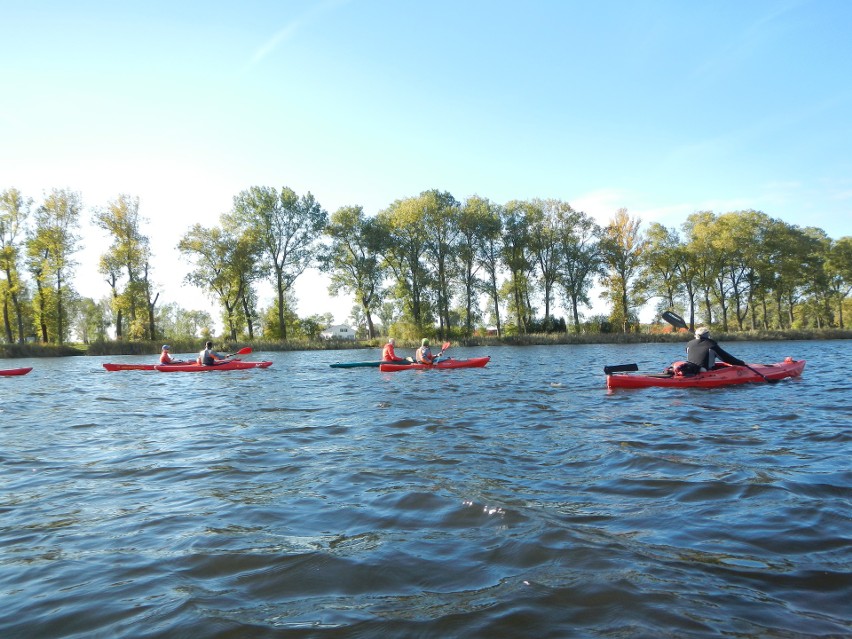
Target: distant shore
12, 351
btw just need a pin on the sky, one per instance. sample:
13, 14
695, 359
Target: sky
661, 107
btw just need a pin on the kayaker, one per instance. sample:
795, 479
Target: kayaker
209, 357
423, 355
703, 351
388, 354
165, 357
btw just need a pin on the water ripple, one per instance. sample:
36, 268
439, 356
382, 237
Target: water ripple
518, 500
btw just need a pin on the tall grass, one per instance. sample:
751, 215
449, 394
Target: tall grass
40, 350
536, 339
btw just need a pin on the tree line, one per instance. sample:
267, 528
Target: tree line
425, 264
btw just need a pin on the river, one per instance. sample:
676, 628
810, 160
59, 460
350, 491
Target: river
518, 500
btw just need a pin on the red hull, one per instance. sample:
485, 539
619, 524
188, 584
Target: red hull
196, 368
724, 376
129, 367
9, 372
475, 362
143, 367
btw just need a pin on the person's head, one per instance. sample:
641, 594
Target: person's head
391, 341
208, 345
424, 342
166, 347
702, 333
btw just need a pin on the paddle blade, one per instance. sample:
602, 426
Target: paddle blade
674, 319
621, 368
244, 351
445, 346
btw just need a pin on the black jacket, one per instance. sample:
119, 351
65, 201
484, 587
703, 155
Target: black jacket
704, 351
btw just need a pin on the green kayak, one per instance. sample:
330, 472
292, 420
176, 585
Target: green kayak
374, 364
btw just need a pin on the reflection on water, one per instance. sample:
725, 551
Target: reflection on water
517, 500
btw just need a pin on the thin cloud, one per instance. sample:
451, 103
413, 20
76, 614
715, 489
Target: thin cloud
275, 41
292, 28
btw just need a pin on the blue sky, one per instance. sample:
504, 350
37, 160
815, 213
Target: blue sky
662, 107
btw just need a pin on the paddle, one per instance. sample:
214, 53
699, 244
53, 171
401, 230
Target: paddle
674, 319
678, 322
444, 347
245, 350
621, 368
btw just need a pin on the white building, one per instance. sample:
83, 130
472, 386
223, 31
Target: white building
338, 331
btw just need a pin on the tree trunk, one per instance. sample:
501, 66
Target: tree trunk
151, 321
282, 328
6, 322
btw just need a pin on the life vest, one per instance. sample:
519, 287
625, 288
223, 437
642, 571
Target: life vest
165, 358
424, 355
684, 369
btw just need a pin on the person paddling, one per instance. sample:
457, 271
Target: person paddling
423, 355
388, 354
209, 357
703, 351
165, 356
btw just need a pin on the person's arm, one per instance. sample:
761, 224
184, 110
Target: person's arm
726, 357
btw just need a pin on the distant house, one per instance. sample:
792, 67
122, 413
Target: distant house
338, 331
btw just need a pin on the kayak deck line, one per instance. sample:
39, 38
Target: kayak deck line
112, 367
368, 364
200, 368
444, 364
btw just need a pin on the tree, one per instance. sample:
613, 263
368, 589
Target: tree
14, 211
91, 320
225, 266
663, 263
838, 266
516, 257
177, 323
400, 228
475, 218
287, 228
489, 249
737, 238
579, 249
128, 258
545, 219
704, 260
50, 249
441, 217
353, 260
622, 247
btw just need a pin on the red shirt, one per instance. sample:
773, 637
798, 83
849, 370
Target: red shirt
388, 354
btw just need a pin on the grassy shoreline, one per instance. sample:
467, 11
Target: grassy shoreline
13, 351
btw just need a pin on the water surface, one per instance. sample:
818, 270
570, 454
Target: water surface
519, 500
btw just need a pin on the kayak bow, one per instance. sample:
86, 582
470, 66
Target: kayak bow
9, 372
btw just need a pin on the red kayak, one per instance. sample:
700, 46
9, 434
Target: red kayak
232, 365
15, 371
474, 362
146, 367
722, 375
